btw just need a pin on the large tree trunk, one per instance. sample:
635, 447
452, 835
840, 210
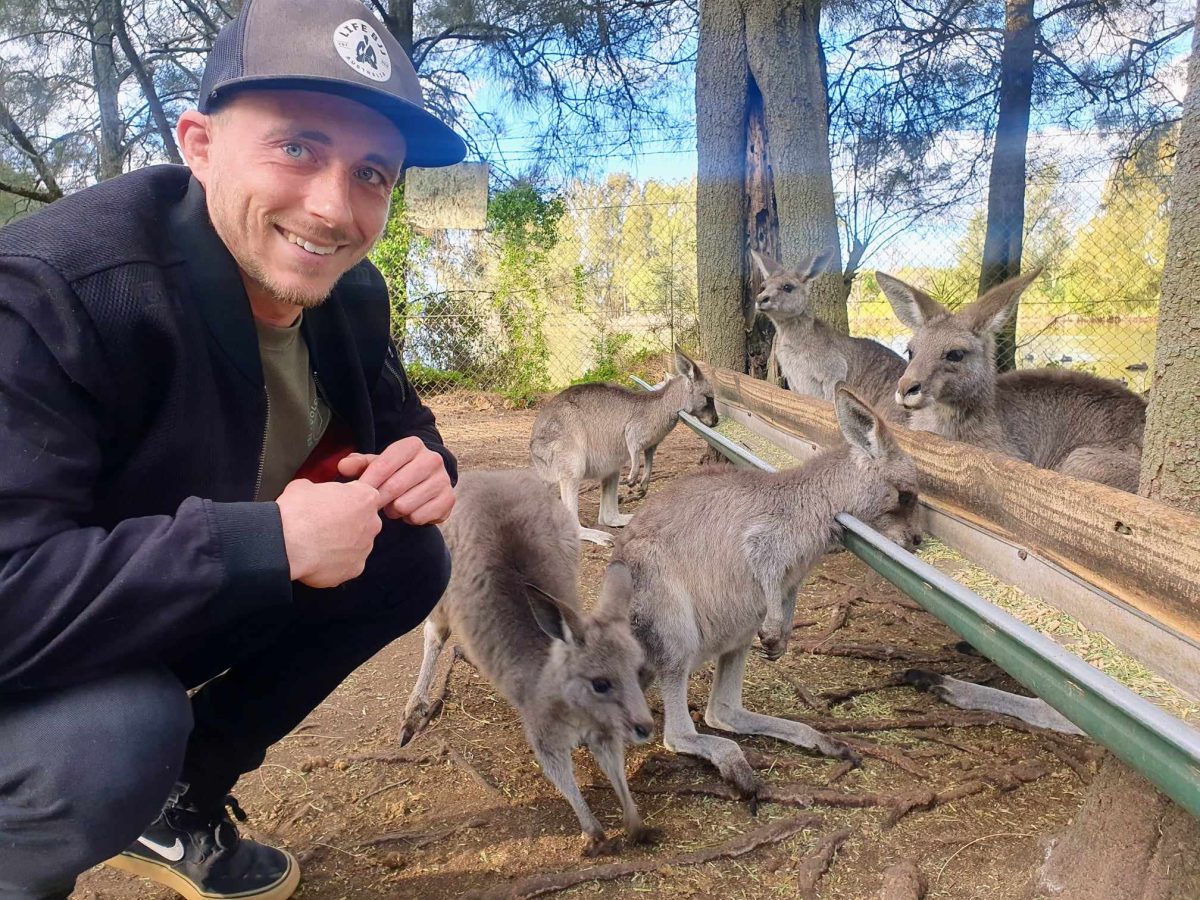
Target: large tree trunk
722, 90
768, 49
108, 85
786, 61
1006, 184
1128, 840
1171, 455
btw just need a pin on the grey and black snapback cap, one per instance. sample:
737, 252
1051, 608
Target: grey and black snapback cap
331, 46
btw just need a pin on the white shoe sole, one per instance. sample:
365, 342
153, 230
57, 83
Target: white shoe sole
165, 875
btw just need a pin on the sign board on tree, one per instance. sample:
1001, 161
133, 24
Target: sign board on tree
447, 197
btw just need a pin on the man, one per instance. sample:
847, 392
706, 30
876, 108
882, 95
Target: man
188, 356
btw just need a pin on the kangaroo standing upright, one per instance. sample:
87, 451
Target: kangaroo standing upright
589, 430
1071, 422
511, 601
718, 558
812, 356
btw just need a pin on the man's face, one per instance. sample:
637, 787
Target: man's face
298, 186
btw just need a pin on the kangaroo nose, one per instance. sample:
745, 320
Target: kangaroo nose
916, 539
911, 390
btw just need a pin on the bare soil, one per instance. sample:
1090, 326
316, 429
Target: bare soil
462, 810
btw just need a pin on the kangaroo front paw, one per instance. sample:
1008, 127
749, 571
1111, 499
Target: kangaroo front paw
409, 729
598, 845
838, 750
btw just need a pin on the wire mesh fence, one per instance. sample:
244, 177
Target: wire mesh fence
616, 285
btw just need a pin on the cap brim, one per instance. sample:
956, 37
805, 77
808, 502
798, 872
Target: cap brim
430, 142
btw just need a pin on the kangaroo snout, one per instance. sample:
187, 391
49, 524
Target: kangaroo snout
908, 393
642, 731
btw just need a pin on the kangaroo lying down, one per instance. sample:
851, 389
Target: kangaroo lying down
512, 603
718, 558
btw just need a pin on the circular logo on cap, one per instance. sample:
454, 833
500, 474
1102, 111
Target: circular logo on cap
362, 49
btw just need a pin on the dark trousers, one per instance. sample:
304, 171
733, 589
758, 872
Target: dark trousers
84, 769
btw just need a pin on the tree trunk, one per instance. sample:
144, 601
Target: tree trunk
108, 86
1006, 184
784, 50
1171, 454
1129, 840
768, 49
401, 26
722, 89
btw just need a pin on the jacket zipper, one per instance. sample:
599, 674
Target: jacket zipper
262, 455
395, 370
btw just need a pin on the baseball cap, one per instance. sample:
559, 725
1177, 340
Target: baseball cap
335, 47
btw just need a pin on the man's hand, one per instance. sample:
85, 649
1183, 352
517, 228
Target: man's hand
328, 530
411, 479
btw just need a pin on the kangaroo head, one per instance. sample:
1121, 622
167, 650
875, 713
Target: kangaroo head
950, 353
700, 392
886, 480
596, 664
784, 293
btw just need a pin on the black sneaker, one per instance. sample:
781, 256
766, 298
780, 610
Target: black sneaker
201, 856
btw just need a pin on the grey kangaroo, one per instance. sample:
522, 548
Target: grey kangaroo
511, 602
589, 430
1071, 422
812, 356
718, 558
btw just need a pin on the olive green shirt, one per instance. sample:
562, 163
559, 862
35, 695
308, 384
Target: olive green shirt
296, 414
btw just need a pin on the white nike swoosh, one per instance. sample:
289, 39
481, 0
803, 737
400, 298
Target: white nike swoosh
173, 853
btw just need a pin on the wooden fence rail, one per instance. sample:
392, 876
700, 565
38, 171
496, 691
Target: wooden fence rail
1144, 554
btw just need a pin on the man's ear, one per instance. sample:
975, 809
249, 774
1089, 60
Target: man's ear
194, 134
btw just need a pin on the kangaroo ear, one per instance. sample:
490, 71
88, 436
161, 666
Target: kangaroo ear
766, 265
554, 617
823, 261
988, 314
860, 426
912, 306
684, 364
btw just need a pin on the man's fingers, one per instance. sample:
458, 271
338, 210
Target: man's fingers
391, 460
435, 512
418, 495
427, 467
351, 465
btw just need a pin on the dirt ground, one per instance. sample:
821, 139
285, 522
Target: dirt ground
465, 810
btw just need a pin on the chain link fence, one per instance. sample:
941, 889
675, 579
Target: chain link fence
617, 286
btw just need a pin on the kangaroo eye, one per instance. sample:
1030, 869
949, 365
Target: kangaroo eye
954, 355
601, 685
788, 288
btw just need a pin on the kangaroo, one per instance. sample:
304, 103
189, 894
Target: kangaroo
966, 695
1071, 422
588, 430
718, 558
511, 601
812, 356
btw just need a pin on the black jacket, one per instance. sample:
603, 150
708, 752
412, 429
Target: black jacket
132, 420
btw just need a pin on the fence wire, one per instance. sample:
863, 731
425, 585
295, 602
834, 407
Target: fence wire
618, 286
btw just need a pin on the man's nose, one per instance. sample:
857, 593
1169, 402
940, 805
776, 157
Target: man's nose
329, 197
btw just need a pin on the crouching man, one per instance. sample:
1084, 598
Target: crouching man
215, 473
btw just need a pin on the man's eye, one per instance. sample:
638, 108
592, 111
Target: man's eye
372, 176
295, 151
954, 355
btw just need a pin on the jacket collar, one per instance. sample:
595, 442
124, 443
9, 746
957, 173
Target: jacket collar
215, 282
